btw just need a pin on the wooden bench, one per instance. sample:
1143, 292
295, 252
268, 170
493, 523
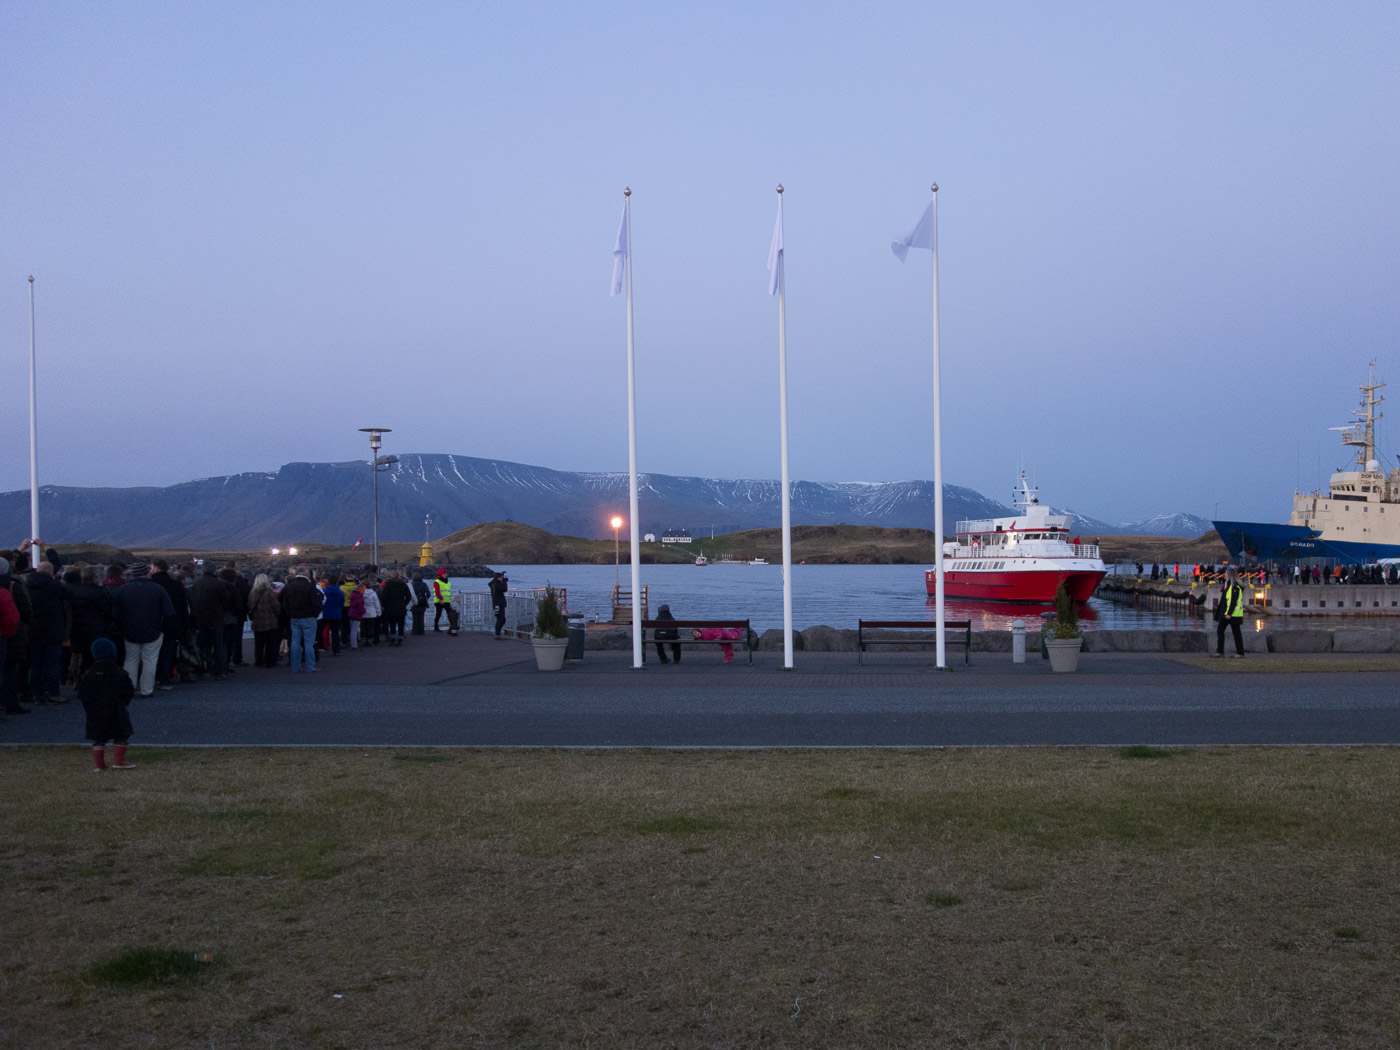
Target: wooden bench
684, 627
956, 632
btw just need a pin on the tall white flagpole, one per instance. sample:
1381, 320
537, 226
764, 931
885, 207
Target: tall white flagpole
33, 432
783, 427
939, 620
636, 549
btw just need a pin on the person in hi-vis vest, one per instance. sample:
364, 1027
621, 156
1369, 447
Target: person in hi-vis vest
442, 601
1230, 610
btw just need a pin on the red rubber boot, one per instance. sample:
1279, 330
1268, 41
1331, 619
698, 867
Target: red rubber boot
99, 759
119, 758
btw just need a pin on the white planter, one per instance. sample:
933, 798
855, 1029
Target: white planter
1064, 653
549, 653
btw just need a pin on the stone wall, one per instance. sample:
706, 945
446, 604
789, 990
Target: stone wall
1309, 640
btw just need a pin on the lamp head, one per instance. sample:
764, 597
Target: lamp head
616, 523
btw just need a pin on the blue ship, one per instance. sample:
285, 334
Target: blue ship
1355, 522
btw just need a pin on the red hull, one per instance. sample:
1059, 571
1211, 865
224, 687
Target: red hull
1016, 586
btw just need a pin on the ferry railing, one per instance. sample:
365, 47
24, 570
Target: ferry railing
475, 612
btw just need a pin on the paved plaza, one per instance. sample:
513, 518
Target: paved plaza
472, 691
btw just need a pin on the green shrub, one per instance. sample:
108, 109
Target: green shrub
549, 618
1066, 621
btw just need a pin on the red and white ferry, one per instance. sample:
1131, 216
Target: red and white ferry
1020, 559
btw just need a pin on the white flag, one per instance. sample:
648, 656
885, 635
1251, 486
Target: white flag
921, 236
775, 254
620, 253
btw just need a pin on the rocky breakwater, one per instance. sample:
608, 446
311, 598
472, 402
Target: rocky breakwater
821, 639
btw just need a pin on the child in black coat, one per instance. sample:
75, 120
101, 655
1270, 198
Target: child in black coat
105, 691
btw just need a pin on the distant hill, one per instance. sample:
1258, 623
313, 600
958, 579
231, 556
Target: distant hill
330, 503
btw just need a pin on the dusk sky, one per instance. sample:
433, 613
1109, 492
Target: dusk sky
1170, 238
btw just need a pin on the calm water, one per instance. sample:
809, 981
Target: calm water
834, 595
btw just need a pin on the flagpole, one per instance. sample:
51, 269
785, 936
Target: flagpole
783, 427
636, 550
939, 620
33, 431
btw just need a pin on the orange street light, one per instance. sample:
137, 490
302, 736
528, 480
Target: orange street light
617, 551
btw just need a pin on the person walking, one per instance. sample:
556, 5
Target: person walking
442, 600
667, 634
498, 586
395, 599
265, 611
303, 604
1229, 609
141, 610
420, 602
105, 691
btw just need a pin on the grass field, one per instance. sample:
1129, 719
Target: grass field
965, 898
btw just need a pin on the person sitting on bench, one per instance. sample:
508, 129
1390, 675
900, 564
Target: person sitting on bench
667, 634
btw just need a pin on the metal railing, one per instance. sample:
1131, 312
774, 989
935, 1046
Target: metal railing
476, 614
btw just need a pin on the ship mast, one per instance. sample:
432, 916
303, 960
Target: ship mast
1362, 433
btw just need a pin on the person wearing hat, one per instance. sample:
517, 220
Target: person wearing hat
442, 600
500, 583
105, 692
141, 607
667, 634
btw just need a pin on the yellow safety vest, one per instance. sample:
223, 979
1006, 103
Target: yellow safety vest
443, 590
1234, 602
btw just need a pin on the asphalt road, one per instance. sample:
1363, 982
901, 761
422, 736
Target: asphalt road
469, 692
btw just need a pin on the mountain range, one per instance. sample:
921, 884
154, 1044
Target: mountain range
331, 503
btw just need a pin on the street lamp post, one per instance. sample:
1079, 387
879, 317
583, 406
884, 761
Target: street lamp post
616, 524
376, 461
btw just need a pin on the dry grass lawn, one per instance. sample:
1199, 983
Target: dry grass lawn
967, 898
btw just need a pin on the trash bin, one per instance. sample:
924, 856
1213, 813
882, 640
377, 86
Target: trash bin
577, 630
1045, 619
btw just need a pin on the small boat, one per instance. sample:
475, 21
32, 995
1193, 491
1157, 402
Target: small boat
758, 561
702, 560
1020, 559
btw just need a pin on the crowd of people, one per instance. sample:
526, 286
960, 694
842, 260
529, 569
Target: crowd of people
167, 626
1266, 573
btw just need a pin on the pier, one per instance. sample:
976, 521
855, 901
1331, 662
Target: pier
1271, 598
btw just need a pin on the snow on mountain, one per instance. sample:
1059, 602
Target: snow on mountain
331, 503
1183, 526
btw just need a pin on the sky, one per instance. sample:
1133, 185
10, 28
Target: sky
1169, 239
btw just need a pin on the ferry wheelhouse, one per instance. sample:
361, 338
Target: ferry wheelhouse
1020, 559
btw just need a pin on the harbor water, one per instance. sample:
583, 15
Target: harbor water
834, 595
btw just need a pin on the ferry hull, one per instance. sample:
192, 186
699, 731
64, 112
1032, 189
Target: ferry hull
1252, 541
1035, 586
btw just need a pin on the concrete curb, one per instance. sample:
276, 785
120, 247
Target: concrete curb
822, 639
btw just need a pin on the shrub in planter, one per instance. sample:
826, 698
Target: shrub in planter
549, 618
1066, 621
